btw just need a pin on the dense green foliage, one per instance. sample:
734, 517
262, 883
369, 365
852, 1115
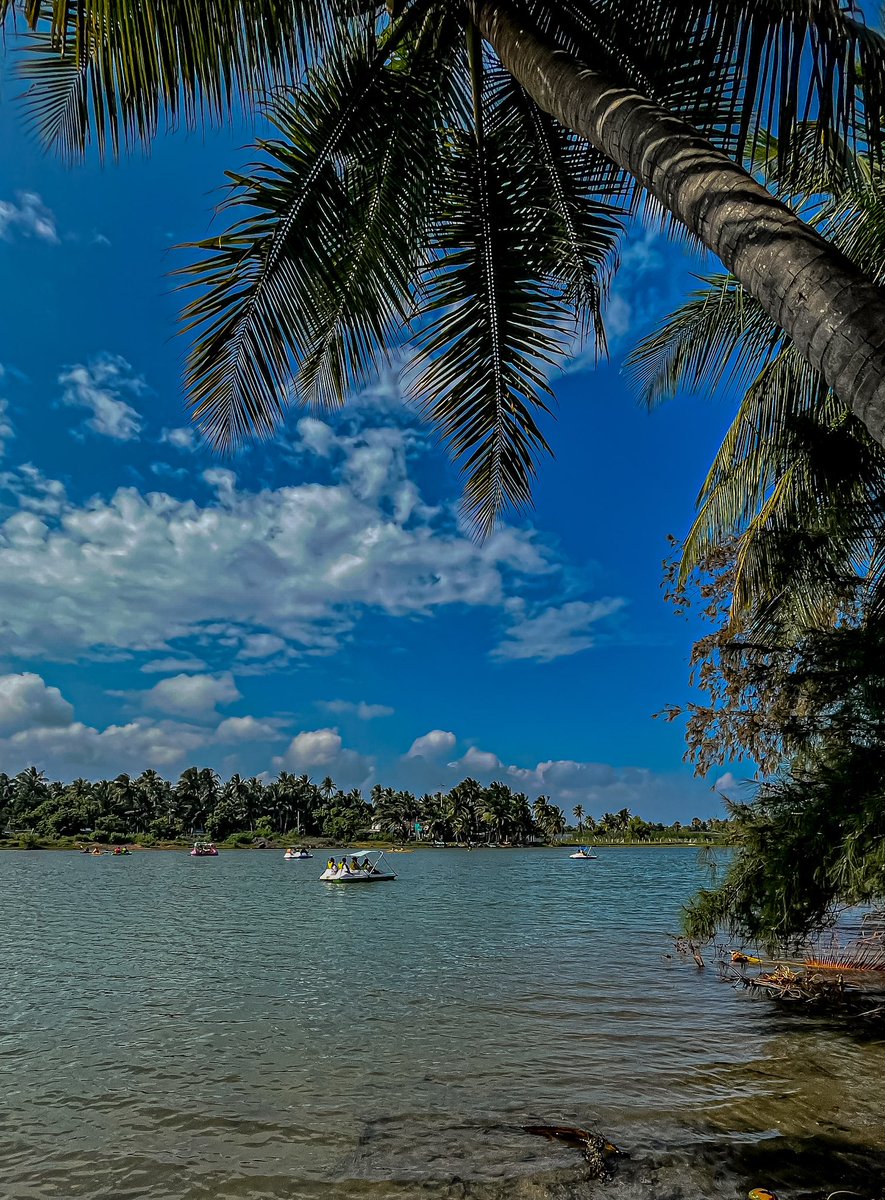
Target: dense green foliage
787, 560
810, 841
151, 808
127, 807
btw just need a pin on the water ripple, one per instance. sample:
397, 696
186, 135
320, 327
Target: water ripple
183, 1030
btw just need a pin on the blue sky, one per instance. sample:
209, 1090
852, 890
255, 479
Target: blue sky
313, 603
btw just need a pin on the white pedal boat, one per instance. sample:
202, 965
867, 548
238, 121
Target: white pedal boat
297, 854
584, 853
380, 871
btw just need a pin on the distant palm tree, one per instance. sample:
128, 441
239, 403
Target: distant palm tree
464, 805
578, 810
455, 169
197, 791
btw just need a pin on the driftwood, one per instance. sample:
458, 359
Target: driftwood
597, 1150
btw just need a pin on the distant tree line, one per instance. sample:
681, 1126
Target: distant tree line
200, 802
629, 827
149, 807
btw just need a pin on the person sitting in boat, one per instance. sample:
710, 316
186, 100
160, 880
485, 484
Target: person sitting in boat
354, 864
330, 865
342, 866
366, 866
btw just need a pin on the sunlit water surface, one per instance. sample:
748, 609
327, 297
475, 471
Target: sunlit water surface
180, 1029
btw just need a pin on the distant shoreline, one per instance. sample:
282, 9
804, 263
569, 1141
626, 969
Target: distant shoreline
71, 846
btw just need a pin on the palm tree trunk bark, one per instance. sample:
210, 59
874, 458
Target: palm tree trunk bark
834, 314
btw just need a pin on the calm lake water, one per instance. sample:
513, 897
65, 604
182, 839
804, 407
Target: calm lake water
186, 1029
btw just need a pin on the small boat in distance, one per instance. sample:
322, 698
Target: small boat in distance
204, 850
585, 852
373, 868
300, 852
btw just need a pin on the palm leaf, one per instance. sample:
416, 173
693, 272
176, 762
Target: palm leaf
719, 334
183, 59
264, 289
391, 188
493, 319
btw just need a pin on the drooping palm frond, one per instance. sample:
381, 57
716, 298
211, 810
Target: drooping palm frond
322, 202
309, 289
583, 228
733, 70
109, 72
508, 251
391, 188
720, 333
797, 480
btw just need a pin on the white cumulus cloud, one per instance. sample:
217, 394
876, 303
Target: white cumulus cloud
323, 750
192, 695
246, 729
79, 749
100, 386
432, 745
27, 702
299, 564
478, 762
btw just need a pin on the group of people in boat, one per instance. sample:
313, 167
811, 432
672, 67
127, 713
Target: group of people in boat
352, 868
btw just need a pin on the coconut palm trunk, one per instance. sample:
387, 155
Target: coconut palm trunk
834, 315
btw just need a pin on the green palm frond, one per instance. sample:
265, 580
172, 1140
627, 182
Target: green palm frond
329, 268
797, 483
734, 70
720, 333
584, 229
730, 69
391, 188
496, 313
266, 292
110, 72
489, 324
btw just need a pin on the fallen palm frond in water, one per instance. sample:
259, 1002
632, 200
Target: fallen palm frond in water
858, 957
596, 1149
803, 984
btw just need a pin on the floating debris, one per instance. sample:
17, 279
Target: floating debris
597, 1150
808, 983
688, 949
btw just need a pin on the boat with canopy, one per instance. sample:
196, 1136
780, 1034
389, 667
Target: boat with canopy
373, 868
584, 852
204, 850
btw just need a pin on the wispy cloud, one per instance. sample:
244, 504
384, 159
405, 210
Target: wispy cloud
183, 437
365, 712
6, 430
99, 386
554, 631
27, 216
